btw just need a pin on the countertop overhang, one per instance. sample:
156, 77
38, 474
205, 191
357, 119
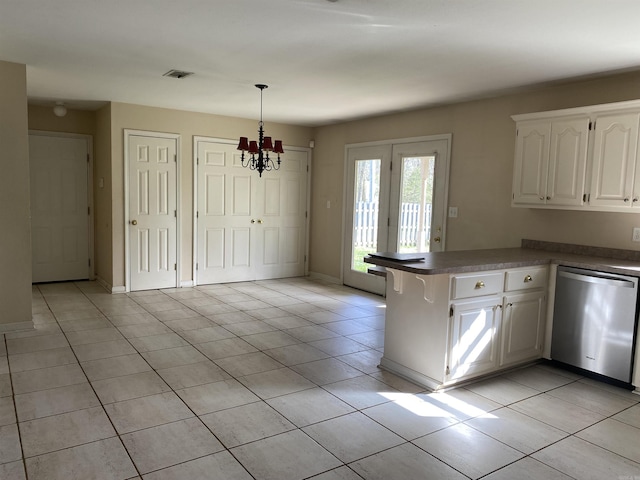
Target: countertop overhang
436, 263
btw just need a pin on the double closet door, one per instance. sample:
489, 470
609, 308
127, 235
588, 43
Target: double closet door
248, 227
396, 199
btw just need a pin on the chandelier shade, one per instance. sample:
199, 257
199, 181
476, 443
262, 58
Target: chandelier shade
258, 158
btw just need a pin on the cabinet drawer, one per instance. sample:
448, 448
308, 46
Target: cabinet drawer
526, 278
476, 284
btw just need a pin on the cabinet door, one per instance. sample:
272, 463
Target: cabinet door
473, 333
614, 160
522, 327
531, 162
567, 162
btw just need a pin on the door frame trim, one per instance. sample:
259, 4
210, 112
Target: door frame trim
90, 180
391, 143
127, 261
227, 141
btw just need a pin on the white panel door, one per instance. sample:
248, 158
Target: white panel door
59, 208
248, 227
152, 212
280, 209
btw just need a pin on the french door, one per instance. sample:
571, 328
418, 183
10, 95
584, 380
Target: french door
395, 202
248, 227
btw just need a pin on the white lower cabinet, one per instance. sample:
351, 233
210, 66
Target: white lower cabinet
522, 327
499, 324
444, 329
473, 337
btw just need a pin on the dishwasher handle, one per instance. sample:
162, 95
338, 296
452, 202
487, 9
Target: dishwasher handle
612, 281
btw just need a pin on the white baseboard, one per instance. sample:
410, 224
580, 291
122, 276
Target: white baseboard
187, 283
325, 278
409, 374
16, 326
111, 289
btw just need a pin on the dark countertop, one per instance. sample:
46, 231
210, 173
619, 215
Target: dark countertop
505, 258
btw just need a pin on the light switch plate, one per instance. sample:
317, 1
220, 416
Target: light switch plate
636, 234
453, 212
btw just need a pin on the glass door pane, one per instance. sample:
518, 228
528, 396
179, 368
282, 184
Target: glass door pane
416, 202
365, 212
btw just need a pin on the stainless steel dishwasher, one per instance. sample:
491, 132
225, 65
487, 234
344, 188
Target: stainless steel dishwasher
594, 321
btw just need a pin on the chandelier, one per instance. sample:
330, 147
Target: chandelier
258, 158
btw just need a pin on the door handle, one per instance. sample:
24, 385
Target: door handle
436, 239
260, 221
253, 221
134, 222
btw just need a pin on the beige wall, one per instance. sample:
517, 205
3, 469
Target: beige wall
187, 125
481, 172
75, 121
15, 234
102, 196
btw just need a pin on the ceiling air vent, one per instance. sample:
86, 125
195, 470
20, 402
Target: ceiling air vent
177, 74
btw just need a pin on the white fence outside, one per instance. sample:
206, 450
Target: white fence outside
365, 225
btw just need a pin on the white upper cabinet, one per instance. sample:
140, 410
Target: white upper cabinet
550, 163
581, 158
615, 158
532, 161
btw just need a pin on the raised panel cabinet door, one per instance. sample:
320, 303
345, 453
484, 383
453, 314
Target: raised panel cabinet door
531, 162
614, 160
522, 327
152, 212
473, 334
567, 162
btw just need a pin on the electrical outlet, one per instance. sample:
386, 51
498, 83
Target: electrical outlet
453, 212
636, 234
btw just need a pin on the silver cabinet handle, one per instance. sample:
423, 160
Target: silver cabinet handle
480, 284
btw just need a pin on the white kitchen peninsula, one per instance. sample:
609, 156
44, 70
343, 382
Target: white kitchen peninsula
457, 316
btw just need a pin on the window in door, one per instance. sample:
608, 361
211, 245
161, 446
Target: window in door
395, 201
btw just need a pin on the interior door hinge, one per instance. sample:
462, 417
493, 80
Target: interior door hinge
87, 158
307, 168
391, 165
175, 213
88, 210
305, 214
197, 214
388, 222
175, 266
451, 311
590, 123
197, 160
175, 157
89, 262
305, 259
447, 371
196, 266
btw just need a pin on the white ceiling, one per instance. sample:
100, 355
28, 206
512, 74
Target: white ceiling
324, 61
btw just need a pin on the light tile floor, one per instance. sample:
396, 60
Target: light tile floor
277, 380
